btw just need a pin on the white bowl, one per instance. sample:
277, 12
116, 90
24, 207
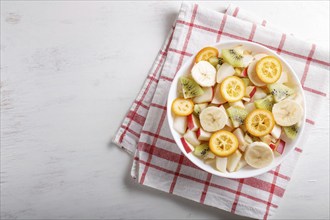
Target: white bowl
246, 171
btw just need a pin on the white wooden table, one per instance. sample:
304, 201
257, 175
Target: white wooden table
69, 72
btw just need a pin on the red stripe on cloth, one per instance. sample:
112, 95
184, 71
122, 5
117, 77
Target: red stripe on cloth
185, 45
176, 174
136, 117
281, 175
253, 31
236, 12
280, 46
242, 38
308, 62
203, 182
166, 78
310, 121
206, 187
298, 150
158, 106
263, 185
222, 25
238, 193
146, 167
130, 131
264, 22
314, 91
141, 104
158, 136
148, 86
180, 52
272, 189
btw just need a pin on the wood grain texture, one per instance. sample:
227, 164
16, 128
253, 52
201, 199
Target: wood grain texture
69, 72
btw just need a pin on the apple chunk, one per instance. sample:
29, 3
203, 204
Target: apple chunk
233, 160
206, 97
221, 164
203, 135
180, 124
191, 137
186, 145
193, 122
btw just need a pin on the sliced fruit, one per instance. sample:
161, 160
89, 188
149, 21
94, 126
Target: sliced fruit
241, 72
193, 122
227, 128
232, 89
267, 139
259, 122
258, 155
237, 115
182, 107
190, 88
250, 91
245, 99
203, 135
209, 155
251, 71
221, 164
280, 91
242, 163
287, 112
291, 131
204, 74
218, 98
180, 124
237, 104
215, 61
276, 132
224, 71
248, 139
233, 160
269, 69
259, 94
280, 146
259, 56
223, 143
236, 58
186, 145
283, 78
240, 137
213, 119
246, 80
206, 53
205, 97
249, 107
265, 103
191, 137
198, 108
201, 150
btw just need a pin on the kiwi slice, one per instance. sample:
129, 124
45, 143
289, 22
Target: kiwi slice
237, 115
233, 57
201, 150
265, 103
291, 131
280, 91
190, 88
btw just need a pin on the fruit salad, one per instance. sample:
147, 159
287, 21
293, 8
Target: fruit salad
237, 108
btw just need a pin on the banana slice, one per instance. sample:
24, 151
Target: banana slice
287, 112
258, 155
204, 73
213, 119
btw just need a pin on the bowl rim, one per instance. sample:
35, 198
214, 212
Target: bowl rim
213, 170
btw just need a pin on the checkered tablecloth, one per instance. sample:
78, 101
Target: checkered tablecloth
158, 162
